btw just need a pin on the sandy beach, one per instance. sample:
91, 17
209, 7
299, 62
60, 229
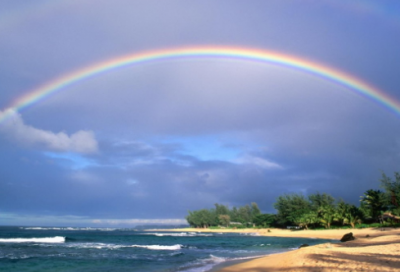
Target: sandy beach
375, 249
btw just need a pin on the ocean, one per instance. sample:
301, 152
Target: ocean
98, 250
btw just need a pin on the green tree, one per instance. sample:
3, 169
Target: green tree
207, 217
327, 215
224, 219
349, 214
320, 200
201, 218
265, 220
341, 211
234, 214
291, 207
392, 191
373, 203
353, 216
221, 209
255, 211
308, 219
244, 213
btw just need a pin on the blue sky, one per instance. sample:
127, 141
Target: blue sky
147, 143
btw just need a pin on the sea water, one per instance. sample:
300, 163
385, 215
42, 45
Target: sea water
98, 250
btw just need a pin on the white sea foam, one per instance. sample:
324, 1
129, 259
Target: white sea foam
94, 245
56, 239
250, 234
207, 264
182, 234
116, 246
159, 247
68, 228
204, 264
216, 259
200, 234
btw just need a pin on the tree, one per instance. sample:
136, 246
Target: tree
221, 215
321, 200
201, 218
307, 219
373, 202
341, 211
265, 220
255, 211
291, 207
221, 210
234, 214
349, 214
224, 219
392, 188
244, 214
353, 216
327, 215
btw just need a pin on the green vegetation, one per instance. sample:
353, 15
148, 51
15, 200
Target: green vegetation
222, 216
377, 208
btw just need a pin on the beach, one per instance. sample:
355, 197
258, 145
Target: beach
374, 249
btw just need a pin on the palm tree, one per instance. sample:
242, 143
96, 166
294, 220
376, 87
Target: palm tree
307, 219
327, 215
349, 214
374, 202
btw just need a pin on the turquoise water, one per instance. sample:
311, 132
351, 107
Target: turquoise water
90, 250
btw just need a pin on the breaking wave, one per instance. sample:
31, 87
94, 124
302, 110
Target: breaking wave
56, 239
70, 228
158, 247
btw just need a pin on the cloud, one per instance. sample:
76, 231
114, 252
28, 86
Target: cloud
82, 141
259, 162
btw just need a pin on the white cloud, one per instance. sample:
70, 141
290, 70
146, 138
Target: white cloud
260, 162
82, 141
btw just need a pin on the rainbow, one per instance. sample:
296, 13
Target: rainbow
269, 57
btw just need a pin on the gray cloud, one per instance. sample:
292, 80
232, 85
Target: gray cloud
80, 141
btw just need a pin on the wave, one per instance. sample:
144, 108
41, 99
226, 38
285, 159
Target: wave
116, 246
203, 265
208, 263
56, 239
95, 245
250, 234
158, 247
262, 245
70, 228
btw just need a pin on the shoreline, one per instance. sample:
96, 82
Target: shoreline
374, 249
330, 234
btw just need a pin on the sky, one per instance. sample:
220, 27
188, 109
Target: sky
147, 142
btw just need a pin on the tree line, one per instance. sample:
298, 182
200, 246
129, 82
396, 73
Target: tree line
221, 215
316, 210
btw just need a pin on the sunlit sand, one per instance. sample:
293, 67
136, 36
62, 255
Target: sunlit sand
375, 249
